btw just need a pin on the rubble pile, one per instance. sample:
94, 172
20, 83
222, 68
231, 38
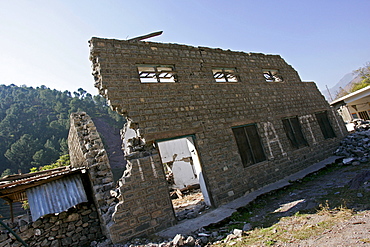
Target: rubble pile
355, 148
192, 211
199, 238
361, 125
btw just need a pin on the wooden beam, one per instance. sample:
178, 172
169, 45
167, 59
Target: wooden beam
147, 36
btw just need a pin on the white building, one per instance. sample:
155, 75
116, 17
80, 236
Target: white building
355, 105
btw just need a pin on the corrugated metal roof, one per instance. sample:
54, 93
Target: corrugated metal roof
13, 188
56, 196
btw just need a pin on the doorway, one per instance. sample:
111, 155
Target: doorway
184, 175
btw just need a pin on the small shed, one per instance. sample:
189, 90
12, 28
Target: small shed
49, 191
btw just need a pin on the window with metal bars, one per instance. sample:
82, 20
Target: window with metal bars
272, 75
325, 126
249, 144
294, 133
225, 74
156, 73
364, 115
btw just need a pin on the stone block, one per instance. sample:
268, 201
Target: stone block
72, 217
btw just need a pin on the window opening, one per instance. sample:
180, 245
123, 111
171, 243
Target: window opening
249, 144
354, 115
156, 73
294, 133
225, 74
364, 115
272, 75
325, 126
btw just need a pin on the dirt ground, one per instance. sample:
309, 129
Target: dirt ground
333, 188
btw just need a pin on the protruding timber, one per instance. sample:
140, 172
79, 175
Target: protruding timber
147, 36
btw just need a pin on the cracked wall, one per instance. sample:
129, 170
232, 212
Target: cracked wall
138, 204
196, 104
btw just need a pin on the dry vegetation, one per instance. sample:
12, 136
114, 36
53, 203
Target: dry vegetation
321, 210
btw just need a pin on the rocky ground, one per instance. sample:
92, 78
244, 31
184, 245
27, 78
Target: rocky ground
328, 208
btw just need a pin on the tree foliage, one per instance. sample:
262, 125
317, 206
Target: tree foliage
364, 72
34, 123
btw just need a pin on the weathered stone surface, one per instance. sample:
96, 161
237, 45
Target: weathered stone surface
195, 104
86, 149
52, 230
355, 148
72, 217
247, 227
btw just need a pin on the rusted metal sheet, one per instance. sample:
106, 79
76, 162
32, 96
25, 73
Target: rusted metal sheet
56, 196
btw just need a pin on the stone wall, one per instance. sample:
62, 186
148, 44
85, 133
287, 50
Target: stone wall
197, 105
76, 227
140, 205
86, 150
144, 206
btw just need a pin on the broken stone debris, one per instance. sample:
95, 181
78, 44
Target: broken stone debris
355, 148
199, 238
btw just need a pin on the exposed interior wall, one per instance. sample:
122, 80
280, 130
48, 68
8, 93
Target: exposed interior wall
177, 157
180, 157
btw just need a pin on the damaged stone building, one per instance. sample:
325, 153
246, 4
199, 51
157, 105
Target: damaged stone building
231, 121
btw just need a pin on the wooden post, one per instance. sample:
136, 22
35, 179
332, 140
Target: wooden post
11, 211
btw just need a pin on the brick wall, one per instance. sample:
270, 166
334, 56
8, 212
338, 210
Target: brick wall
141, 205
86, 150
145, 206
197, 105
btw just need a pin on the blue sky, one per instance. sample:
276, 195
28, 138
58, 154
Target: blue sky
45, 42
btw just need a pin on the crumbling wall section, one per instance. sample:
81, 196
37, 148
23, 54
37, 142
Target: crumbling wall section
86, 150
198, 105
78, 226
144, 206
141, 204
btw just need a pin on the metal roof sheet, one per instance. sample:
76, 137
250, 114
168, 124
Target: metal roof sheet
56, 196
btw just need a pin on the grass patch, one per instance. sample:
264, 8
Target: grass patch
272, 228
295, 228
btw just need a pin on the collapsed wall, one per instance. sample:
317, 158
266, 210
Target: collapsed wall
86, 150
140, 205
251, 118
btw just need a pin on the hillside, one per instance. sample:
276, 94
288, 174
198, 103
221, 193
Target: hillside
34, 124
345, 84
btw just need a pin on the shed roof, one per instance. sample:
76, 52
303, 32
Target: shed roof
13, 187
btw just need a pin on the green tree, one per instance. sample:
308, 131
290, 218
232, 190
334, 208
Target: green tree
43, 115
6, 172
364, 72
20, 154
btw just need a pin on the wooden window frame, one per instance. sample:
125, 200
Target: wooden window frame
249, 144
325, 125
293, 131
